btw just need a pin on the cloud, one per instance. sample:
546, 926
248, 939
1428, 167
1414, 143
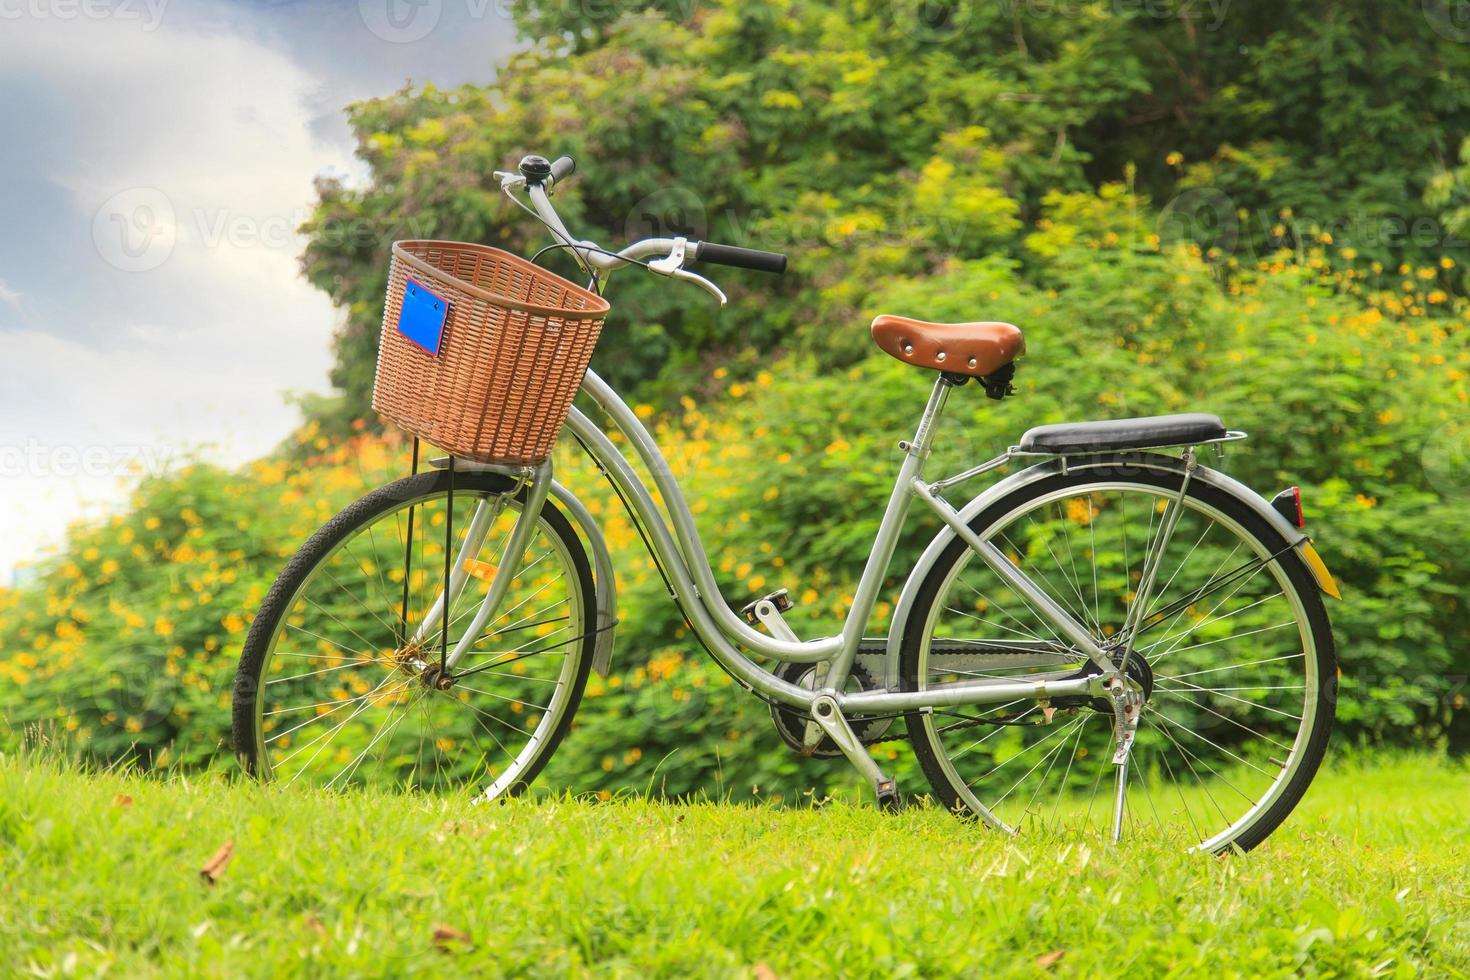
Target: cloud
152, 207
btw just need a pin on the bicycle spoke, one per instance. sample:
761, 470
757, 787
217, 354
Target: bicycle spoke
1214, 745
1009, 759
1035, 572
1208, 621
1231, 697
1213, 670
1232, 636
501, 697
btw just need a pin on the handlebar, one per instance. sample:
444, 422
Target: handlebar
740, 258
538, 177
562, 168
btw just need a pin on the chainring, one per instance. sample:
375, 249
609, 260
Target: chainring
791, 723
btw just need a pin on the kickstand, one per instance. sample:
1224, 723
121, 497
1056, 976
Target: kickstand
1127, 705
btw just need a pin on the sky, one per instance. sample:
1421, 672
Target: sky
158, 157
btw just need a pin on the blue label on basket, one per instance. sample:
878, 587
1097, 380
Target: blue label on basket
422, 318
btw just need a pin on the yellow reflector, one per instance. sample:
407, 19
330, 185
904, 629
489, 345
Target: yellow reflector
482, 570
1319, 569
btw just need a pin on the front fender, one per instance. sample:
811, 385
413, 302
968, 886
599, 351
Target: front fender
1052, 467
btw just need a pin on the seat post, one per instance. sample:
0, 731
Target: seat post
924, 435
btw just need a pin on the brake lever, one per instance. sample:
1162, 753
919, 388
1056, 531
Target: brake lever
702, 283
672, 266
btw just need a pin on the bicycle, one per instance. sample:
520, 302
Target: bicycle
1114, 613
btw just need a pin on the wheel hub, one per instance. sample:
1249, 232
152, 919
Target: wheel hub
436, 678
1136, 673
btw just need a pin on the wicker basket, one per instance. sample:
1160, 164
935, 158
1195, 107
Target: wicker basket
514, 345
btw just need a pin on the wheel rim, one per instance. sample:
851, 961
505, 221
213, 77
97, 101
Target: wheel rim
342, 700
1198, 738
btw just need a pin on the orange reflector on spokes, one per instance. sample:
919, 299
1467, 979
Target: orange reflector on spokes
482, 570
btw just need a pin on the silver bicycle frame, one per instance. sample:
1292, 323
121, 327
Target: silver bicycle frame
681, 552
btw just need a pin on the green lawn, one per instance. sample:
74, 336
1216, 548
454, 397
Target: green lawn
102, 872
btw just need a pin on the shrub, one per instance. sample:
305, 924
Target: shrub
127, 639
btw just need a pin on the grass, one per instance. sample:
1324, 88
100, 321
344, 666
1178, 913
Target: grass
101, 872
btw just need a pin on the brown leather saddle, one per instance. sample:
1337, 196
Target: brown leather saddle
976, 350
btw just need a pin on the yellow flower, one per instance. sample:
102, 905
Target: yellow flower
1174, 159
163, 627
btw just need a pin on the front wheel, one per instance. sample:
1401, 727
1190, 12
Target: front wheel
1233, 654
339, 683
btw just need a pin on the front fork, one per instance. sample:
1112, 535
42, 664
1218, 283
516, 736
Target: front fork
537, 484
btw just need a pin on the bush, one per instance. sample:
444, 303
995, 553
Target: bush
128, 639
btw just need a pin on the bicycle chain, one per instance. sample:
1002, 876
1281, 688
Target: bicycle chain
957, 726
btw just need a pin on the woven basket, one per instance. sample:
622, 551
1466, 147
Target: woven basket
515, 344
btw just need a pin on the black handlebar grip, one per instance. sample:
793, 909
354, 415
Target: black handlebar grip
562, 168
740, 258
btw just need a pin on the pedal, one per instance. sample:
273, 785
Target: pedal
780, 599
887, 792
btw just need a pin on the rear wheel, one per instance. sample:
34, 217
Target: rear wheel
1233, 653
334, 689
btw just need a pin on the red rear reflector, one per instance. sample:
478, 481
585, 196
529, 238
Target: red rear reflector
1288, 503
